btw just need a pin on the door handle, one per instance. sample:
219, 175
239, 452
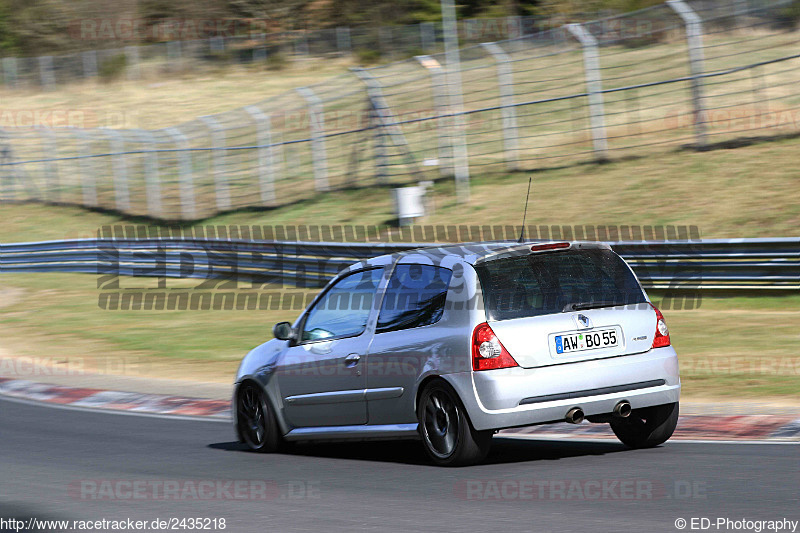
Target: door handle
352, 360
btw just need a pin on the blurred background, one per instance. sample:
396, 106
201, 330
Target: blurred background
212, 114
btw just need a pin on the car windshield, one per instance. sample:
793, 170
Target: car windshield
570, 280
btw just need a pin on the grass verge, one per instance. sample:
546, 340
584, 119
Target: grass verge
730, 348
742, 192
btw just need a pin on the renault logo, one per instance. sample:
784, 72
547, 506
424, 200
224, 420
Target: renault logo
583, 321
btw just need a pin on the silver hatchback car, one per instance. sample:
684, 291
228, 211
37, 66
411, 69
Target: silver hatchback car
451, 344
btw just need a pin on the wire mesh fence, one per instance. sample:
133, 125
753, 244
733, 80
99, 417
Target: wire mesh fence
186, 45
682, 74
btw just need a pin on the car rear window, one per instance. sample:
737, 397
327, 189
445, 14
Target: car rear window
541, 284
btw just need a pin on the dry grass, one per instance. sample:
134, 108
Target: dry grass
742, 347
56, 319
728, 347
166, 101
744, 192
639, 123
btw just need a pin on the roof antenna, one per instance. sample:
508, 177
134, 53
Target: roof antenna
525, 213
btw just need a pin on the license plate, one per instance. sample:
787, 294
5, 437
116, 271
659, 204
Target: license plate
590, 340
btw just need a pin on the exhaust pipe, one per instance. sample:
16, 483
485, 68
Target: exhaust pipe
622, 409
574, 415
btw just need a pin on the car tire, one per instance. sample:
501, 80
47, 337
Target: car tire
255, 420
447, 434
647, 427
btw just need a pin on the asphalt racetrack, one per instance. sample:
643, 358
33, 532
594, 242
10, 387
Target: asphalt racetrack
80, 465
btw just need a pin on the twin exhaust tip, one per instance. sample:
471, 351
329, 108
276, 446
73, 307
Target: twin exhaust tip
574, 415
621, 410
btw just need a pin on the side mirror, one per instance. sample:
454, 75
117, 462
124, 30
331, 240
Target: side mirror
283, 331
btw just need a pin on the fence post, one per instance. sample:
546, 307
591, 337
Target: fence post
514, 27
343, 41
316, 121
387, 122
381, 154
505, 82
151, 178
385, 41
46, 75
88, 175
184, 156
10, 71
445, 154
216, 43
121, 193
174, 54
427, 36
459, 142
594, 89
694, 40
7, 173
260, 51
741, 8
47, 140
267, 154
89, 64
381, 157
301, 45
218, 153
132, 62
559, 37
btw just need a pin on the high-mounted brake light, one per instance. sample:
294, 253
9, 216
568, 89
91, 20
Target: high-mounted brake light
662, 332
549, 246
487, 351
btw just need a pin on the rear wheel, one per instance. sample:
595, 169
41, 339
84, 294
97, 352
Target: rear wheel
647, 427
447, 435
256, 421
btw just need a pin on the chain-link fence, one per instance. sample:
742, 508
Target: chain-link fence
695, 73
232, 44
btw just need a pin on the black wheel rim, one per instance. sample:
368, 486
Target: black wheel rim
440, 424
252, 422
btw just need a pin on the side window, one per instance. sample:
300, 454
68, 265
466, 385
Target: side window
344, 309
414, 297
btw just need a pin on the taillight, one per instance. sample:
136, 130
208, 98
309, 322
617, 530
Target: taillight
662, 332
487, 351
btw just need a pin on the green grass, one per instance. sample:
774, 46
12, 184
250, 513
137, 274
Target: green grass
731, 347
734, 347
650, 121
164, 101
749, 191
57, 315
742, 347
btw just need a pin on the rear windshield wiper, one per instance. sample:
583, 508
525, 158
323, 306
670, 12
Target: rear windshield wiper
579, 306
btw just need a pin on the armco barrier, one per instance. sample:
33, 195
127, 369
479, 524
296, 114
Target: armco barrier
737, 264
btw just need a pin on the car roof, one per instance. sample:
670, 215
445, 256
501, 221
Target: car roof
477, 252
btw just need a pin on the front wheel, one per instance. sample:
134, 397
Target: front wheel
255, 420
447, 435
647, 427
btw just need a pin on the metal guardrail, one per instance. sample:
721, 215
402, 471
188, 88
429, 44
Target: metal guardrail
739, 264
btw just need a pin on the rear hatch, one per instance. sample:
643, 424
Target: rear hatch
563, 306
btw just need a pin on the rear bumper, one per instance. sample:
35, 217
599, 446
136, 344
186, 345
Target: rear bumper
497, 399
